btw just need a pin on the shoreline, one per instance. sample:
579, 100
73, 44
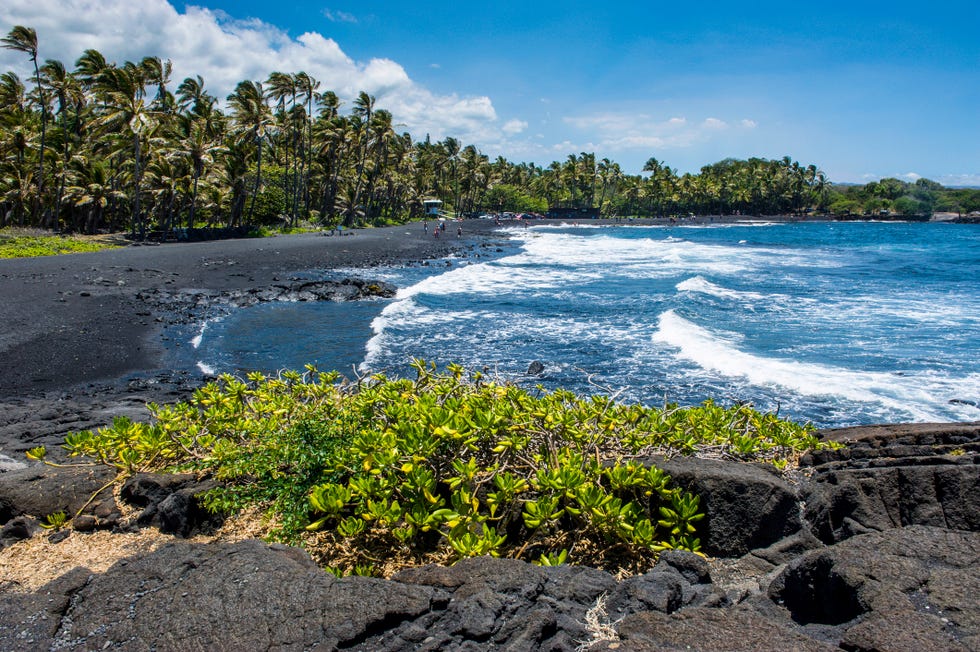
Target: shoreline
77, 319
80, 346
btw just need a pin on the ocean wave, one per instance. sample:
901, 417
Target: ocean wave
198, 338
923, 397
923, 308
633, 257
701, 285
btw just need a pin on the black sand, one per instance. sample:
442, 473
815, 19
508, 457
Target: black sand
74, 319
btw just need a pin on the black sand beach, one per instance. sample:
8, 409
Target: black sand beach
77, 319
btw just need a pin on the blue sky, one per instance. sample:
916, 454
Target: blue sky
861, 89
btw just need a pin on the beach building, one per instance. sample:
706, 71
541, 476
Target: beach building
432, 207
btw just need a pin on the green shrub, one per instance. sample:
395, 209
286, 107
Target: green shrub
386, 472
26, 246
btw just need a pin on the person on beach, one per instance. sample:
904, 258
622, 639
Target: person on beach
459, 231
425, 226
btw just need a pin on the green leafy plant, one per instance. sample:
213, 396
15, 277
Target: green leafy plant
443, 466
24, 246
552, 559
55, 521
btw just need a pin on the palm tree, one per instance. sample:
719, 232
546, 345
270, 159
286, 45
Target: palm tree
253, 121
363, 108
68, 92
282, 88
158, 72
91, 188
24, 39
307, 86
197, 146
126, 114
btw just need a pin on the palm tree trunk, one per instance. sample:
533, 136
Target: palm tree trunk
190, 219
137, 215
44, 128
258, 181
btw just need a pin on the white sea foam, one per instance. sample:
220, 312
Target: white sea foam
701, 285
205, 368
635, 258
549, 261
921, 396
196, 340
936, 310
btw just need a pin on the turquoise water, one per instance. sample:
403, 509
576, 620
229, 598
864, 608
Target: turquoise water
833, 323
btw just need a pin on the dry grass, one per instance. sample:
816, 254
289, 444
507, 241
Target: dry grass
30, 564
599, 628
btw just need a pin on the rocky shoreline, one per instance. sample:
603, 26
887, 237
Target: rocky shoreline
872, 547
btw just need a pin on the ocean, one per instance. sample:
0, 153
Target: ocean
831, 323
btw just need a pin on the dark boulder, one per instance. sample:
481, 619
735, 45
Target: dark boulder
659, 590
536, 368
170, 502
692, 567
911, 588
42, 490
737, 629
240, 596
746, 506
894, 476
18, 529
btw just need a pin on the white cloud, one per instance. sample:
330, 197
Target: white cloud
910, 176
618, 132
565, 147
225, 50
749, 124
512, 127
335, 16
960, 179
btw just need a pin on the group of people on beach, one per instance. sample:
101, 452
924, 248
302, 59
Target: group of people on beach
441, 228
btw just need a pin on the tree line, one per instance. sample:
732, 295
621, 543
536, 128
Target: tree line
122, 147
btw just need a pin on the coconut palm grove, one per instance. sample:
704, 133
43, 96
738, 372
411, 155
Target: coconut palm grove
107, 146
